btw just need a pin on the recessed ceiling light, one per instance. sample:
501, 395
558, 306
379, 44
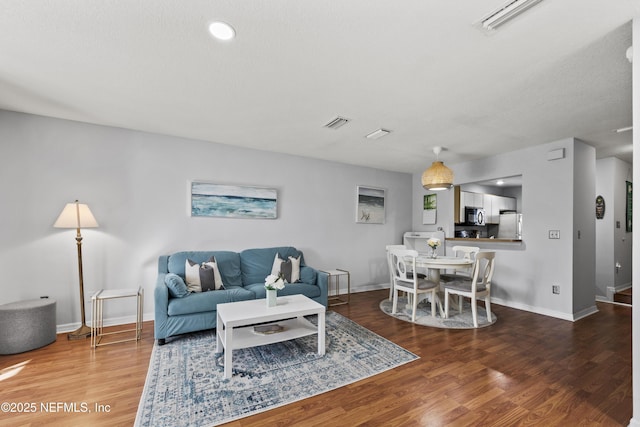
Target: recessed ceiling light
222, 30
500, 182
378, 134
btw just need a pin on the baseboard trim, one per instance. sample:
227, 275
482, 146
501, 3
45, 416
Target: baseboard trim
545, 312
611, 290
113, 321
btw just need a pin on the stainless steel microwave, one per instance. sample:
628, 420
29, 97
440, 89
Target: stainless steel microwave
474, 216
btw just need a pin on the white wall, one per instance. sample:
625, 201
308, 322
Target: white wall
136, 185
613, 243
584, 229
525, 272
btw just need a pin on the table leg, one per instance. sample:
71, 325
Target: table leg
93, 322
321, 333
228, 351
219, 328
140, 314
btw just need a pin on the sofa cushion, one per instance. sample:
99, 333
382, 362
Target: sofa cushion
256, 264
206, 301
228, 264
177, 287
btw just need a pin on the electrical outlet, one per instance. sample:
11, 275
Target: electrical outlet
555, 289
554, 234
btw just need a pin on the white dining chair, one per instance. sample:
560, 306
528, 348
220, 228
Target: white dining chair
464, 252
390, 265
479, 286
404, 279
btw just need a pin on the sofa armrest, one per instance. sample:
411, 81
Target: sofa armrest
322, 281
161, 307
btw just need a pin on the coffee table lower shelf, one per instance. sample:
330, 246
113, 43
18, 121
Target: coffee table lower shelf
245, 337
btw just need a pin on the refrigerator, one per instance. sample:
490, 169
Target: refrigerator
510, 226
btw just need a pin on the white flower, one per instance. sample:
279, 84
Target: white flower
273, 282
433, 242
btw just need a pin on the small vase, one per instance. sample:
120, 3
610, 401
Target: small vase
272, 297
434, 253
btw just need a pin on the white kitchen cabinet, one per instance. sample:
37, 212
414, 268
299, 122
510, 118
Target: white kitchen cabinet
492, 205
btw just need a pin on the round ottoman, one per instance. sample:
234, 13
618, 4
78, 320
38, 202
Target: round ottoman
26, 325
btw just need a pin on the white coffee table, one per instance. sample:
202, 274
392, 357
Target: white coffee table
235, 322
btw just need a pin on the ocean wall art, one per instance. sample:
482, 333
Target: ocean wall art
232, 201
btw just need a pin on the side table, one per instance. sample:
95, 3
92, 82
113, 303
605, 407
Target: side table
334, 276
97, 302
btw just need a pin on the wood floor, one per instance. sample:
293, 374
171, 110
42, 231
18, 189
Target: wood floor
624, 296
526, 369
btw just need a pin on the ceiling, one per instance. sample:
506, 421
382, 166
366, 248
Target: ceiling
420, 68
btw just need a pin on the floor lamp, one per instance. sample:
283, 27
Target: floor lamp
77, 215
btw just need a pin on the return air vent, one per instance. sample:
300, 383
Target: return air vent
506, 13
336, 123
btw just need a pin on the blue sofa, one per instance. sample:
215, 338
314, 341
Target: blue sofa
243, 277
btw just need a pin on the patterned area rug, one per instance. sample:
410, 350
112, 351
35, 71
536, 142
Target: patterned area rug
456, 319
185, 384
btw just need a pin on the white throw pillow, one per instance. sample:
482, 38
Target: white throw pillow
218, 278
290, 269
192, 276
202, 277
295, 269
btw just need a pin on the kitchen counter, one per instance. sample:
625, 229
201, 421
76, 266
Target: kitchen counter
482, 239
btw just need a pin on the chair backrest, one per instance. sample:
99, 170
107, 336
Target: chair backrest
389, 261
482, 270
404, 265
467, 252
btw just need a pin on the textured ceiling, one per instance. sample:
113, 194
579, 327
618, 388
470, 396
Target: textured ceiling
420, 68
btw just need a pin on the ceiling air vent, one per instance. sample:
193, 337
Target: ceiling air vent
506, 13
336, 123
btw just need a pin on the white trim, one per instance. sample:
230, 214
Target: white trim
114, 321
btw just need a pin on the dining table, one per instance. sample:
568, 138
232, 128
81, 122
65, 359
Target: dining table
434, 265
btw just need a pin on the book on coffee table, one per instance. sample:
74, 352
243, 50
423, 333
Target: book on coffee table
267, 329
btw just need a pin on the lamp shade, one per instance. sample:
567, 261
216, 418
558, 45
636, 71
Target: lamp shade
76, 215
437, 177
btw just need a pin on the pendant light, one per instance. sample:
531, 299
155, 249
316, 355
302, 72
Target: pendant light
438, 177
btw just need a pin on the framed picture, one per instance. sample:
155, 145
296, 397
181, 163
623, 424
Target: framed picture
232, 201
370, 205
429, 209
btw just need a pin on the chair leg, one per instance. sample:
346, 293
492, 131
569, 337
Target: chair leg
487, 305
391, 291
415, 307
446, 304
395, 301
433, 302
460, 303
474, 310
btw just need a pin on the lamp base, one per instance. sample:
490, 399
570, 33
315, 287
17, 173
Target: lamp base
82, 332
